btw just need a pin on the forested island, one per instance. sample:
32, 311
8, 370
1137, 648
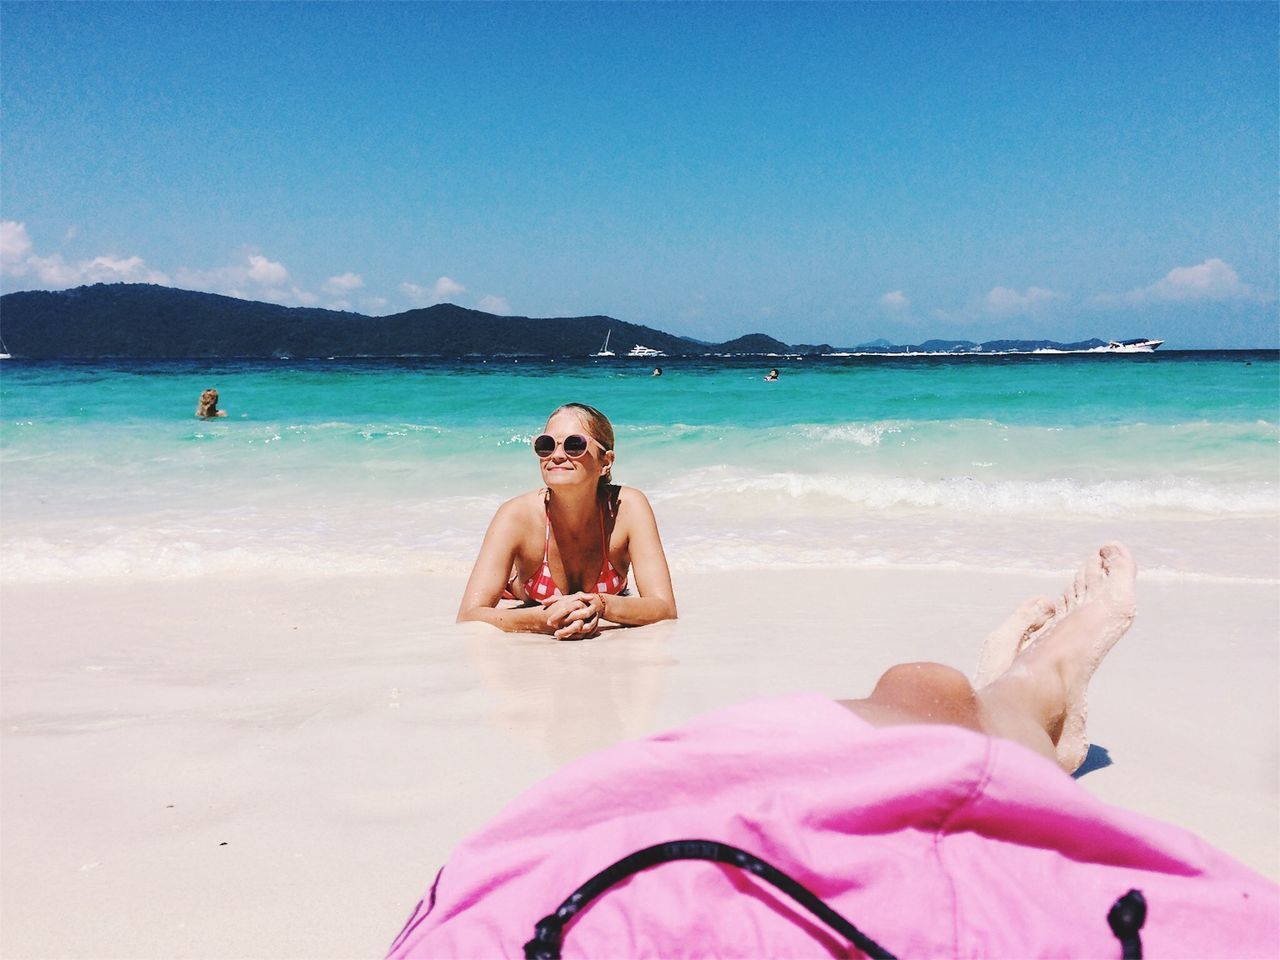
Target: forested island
145, 322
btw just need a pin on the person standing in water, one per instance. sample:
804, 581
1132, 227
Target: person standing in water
207, 408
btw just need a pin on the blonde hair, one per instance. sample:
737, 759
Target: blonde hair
208, 405
598, 428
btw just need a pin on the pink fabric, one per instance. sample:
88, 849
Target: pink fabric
934, 841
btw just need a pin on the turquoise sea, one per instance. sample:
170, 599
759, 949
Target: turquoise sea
348, 467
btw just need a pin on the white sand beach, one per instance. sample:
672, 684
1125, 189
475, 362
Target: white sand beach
233, 768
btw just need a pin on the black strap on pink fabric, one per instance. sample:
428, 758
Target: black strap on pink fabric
1125, 918
549, 931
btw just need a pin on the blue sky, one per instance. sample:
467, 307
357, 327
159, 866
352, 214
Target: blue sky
820, 172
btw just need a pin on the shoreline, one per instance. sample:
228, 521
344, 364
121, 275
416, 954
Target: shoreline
233, 767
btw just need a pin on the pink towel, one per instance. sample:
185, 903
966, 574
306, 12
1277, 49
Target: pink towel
934, 841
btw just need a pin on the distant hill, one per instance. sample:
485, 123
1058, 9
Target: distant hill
754, 343
970, 347
144, 321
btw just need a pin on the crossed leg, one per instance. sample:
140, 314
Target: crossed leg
1034, 671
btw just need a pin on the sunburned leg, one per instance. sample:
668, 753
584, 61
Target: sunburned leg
932, 693
1039, 700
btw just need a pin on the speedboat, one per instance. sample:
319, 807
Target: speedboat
1133, 346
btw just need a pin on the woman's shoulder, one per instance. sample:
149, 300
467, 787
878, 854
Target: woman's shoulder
519, 515
628, 500
524, 504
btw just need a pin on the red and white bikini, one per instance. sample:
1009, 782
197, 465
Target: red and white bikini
542, 585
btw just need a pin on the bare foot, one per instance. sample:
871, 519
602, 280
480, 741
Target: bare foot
1087, 621
1007, 640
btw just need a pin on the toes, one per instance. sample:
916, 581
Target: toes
1003, 645
1062, 606
1121, 576
1095, 570
1036, 613
1117, 560
1039, 613
1043, 611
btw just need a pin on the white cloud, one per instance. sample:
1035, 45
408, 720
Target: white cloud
18, 259
343, 283
266, 272
442, 290
1214, 279
15, 247
491, 304
1005, 301
119, 269
256, 278
446, 288
373, 304
895, 300
72, 232
52, 271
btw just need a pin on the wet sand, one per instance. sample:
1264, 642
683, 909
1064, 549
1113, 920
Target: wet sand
233, 768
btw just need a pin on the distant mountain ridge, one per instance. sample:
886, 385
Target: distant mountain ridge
146, 322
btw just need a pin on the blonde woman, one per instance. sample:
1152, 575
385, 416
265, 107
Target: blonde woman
567, 549
207, 408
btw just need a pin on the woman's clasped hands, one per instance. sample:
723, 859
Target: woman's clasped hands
574, 617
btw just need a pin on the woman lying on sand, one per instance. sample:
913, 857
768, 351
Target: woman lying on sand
934, 815
566, 548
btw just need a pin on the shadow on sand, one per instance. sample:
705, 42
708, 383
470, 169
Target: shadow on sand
1095, 759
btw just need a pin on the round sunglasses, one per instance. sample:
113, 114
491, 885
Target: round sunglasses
575, 445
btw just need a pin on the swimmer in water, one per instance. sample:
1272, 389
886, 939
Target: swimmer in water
207, 408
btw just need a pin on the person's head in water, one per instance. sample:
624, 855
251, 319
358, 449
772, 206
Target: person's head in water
566, 422
208, 405
657, 371
773, 374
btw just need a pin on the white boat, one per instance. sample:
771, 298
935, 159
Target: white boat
1114, 346
642, 351
1132, 346
605, 351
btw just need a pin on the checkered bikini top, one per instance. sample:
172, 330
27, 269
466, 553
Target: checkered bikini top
542, 585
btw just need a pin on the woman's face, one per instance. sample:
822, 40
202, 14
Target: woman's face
562, 470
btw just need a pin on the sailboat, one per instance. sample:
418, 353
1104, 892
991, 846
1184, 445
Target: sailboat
605, 351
